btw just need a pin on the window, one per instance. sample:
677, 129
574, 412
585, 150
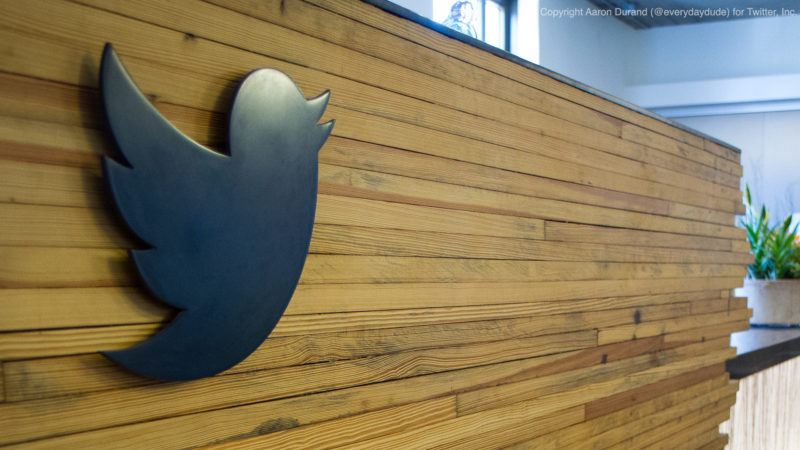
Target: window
487, 20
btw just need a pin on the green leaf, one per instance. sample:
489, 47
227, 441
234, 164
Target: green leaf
775, 252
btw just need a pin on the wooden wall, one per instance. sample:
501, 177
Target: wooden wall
499, 258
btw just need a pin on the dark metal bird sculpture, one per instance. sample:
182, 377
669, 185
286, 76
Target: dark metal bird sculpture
228, 234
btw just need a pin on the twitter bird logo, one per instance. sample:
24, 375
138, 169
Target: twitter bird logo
228, 234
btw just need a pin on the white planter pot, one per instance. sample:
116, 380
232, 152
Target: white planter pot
774, 302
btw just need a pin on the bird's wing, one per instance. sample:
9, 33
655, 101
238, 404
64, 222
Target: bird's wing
167, 175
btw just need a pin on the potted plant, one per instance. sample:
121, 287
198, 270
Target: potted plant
772, 286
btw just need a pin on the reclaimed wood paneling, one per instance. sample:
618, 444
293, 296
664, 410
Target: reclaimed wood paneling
499, 258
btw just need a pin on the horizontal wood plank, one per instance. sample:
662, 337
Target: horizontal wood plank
50, 226
646, 329
648, 428
487, 429
23, 345
362, 91
604, 406
364, 241
41, 309
719, 443
51, 308
420, 34
712, 413
705, 333
33, 344
571, 232
613, 377
67, 414
315, 48
57, 267
75, 187
609, 429
360, 183
499, 157
51, 377
354, 429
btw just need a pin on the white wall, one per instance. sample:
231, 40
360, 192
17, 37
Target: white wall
599, 51
770, 144
736, 66
728, 49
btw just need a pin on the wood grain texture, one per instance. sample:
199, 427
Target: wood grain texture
48, 377
544, 316
655, 328
43, 267
370, 15
766, 413
613, 428
354, 429
357, 182
413, 130
488, 429
675, 432
605, 379
66, 414
457, 302
169, 17
349, 153
499, 259
718, 443
708, 332
264, 417
613, 403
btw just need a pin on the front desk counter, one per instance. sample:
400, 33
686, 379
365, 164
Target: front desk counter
767, 410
